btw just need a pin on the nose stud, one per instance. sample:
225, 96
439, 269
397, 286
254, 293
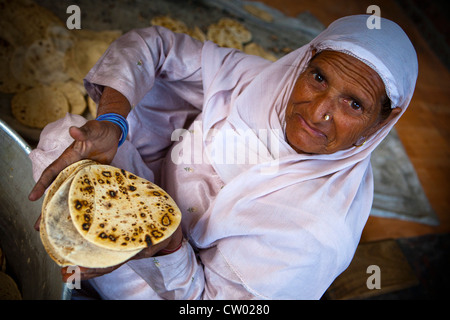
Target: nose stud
326, 117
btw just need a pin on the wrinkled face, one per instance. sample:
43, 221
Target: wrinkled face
335, 102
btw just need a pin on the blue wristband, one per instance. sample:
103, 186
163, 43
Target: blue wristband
119, 120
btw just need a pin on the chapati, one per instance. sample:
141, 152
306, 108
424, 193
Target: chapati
67, 242
74, 93
68, 172
98, 216
229, 33
170, 23
39, 106
8, 288
118, 210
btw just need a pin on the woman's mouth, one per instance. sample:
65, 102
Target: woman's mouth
309, 128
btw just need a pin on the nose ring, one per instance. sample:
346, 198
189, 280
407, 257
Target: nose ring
326, 117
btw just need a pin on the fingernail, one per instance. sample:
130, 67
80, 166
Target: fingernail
31, 196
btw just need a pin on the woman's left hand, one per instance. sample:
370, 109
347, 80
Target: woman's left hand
169, 244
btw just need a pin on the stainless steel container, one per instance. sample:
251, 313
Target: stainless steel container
37, 276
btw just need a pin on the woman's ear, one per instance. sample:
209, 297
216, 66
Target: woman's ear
394, 113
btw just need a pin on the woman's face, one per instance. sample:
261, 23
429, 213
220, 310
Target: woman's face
335, 102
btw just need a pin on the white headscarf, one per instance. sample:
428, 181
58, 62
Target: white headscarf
315, 205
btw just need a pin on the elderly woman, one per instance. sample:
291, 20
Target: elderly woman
276, 219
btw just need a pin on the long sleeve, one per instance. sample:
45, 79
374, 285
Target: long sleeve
174, 276
177, 276
160, 74
136, 60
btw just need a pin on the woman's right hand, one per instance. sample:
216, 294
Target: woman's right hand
96, 140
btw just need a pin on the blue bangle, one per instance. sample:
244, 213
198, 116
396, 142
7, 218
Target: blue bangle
119, 120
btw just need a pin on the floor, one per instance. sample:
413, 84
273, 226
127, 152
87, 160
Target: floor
424, 131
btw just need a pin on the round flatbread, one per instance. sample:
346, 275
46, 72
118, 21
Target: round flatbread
74, 93
24, 21
8, 288
88, 46
65, 174
8, 83
229, 33
66, 241
49, 248
38, 63
46, 62
39, 106
197, 33
82, 56
61, 38
2, 261
118, 210
170, 23
92, 106
20, 69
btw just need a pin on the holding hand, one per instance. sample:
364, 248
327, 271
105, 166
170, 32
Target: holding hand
96, 140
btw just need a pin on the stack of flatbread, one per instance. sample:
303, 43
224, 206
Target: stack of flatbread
43, 63
98, 216
8, 288
226, 32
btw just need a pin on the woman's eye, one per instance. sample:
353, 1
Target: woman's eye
318, 77
355, 105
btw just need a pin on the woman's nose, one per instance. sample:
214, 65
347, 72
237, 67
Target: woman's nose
322, 109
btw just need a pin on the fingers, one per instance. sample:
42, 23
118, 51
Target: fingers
37, 224
79, 134
71, 155
96, 140
151, 251
49, 174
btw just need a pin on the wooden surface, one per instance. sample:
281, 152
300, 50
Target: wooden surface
394, 272
424, 129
